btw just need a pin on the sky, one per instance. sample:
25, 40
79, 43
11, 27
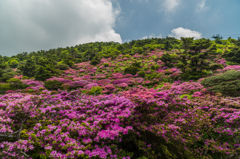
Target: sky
27, 26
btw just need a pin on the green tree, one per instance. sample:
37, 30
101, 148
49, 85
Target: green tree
194, 62
13, 63
232, 55
168, 59
29, 68
168, 45
2, 67
42, 74
186, 42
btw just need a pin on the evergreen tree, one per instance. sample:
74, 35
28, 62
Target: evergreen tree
42, 74
30, 68
233, 55
195, 61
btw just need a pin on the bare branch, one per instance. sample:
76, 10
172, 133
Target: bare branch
24, 154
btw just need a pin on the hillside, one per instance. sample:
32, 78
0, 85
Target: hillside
153, 98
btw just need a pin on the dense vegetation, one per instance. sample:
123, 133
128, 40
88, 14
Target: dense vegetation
153, 98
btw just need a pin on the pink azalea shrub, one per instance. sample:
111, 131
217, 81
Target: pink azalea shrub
59, 79
80, 83
138, 80
122, 85
119, 81
110, 88
90, 85
232, 67
187, 87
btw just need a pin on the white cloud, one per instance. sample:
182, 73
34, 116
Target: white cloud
181, 32
151, 36
201, 6
139, 1
44, 24
170, 5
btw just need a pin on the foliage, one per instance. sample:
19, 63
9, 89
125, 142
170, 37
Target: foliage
62, 66
42, 74
13, 63
7, 75
53, 85
4, 87
227, 83
15, 86
95, 61
25, 77
106, 64
146, 114
141, 74
168, 59
168, 45
194, 62
153, 75
155, 67
136, 64
233, 55
29, 68
95, 91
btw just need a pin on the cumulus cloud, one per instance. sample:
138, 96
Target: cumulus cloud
201, 6
151, 36
170, 5
181, 32
44, 24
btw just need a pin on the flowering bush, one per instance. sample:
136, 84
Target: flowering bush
90, 85
80, 83
109, 88
119, 81
232, 67
122, 85
62, 80
187, 87
62, 131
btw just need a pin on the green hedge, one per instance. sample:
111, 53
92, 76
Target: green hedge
227, 83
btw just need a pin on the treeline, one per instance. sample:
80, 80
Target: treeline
45, 64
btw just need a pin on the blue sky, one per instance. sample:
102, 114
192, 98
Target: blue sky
28, 26
139, 18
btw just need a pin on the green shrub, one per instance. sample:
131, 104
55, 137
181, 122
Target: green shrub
53, 85
6, 76
25, 77
227, 83
30, 90
42, 74
168, 59
153, 75
141, 74
4, 87
189, 96
106, 64
167, 80
95, 61
14, 81
159, 86
136, 64
231, 63
155, 67
95, 91
62, 66
131, 70
127, 56
16, 84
